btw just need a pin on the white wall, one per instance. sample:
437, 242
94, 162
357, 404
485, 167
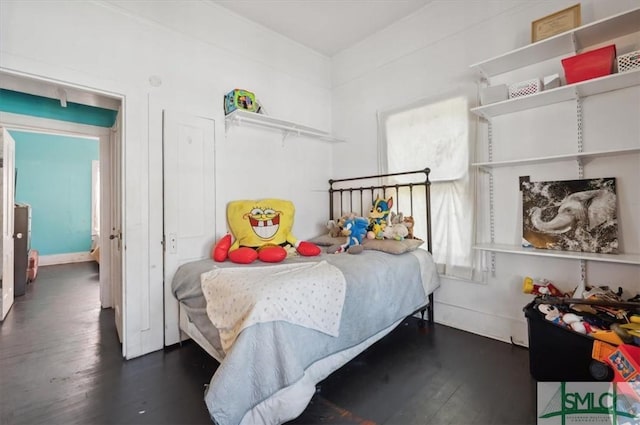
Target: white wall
427, 55
199, 51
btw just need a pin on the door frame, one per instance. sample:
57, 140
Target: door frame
40, 85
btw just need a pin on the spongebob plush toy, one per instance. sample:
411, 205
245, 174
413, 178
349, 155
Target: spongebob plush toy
262, 230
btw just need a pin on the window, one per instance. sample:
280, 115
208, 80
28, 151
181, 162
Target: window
437, 135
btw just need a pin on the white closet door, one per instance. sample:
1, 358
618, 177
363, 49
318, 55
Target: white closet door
189, 201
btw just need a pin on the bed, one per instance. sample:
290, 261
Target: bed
270, 365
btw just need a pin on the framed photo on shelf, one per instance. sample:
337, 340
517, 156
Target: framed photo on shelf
556, 23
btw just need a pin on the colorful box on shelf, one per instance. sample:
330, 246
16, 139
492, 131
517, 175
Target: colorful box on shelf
593, 64
240, 99
525, 88
629, 61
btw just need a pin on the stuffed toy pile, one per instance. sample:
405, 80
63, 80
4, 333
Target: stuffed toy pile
381, 223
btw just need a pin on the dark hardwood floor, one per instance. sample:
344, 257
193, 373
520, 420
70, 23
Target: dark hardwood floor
61, 363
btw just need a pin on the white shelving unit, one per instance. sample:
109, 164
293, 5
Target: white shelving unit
240, 117
520, 250
565, 44
555, 158
561, 94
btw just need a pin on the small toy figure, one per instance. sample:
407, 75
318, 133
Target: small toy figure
621, 364
551, 313
354, 229
567, 320
378, 216
396, 228
409, 222
540, 287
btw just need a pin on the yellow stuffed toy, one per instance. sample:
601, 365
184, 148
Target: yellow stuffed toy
262, 230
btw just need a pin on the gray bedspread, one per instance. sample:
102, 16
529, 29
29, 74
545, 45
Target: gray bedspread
267, 357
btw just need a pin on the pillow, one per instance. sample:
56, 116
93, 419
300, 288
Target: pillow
328, 240
255, 223
392, 246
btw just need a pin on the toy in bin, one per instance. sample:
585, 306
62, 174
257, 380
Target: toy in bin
540, 287
625, 362
240, 99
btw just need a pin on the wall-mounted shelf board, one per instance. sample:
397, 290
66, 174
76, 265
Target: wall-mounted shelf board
566, 157
519, 250
567, 43
561, 94
240, 117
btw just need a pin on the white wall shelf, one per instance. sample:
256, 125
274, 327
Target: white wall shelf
561, 94
561, 45
240, 117
633, 259
582, 156
567, 43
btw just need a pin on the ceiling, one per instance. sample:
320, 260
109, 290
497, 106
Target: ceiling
326, 26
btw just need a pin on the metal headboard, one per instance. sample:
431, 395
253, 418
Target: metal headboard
356, 194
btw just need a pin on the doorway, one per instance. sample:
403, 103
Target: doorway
110, 158
53, 188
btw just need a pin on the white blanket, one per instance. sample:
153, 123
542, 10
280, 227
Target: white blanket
308, 294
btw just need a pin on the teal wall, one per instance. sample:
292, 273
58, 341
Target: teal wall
54, 177
44, 107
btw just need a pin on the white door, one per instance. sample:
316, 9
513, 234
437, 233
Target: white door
189, 201
8, 181
115, 237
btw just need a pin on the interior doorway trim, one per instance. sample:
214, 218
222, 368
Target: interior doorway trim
42, 86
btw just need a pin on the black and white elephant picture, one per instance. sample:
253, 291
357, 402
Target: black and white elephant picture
570, 215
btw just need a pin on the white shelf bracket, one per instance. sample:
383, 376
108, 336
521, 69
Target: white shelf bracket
582, 285
574, 42
230, 122
285, 135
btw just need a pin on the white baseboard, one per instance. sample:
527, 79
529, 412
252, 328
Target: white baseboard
493, 326
72, 257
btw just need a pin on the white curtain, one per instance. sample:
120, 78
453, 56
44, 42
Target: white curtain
437, 134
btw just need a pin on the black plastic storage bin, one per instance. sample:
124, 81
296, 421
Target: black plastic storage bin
558, 354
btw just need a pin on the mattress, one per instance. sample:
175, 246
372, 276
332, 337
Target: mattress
269, 374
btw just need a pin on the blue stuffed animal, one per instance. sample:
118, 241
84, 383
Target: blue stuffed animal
355, 229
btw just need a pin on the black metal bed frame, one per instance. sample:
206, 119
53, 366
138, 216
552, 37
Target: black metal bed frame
356, 194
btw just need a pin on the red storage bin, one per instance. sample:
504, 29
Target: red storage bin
592, 64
